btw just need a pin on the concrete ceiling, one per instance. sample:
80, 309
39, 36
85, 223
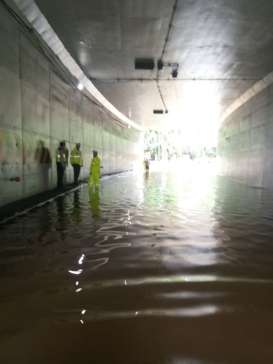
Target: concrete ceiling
222, 47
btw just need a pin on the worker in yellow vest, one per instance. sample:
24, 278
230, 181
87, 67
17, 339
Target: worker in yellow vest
94, 178
61, 162
76, 162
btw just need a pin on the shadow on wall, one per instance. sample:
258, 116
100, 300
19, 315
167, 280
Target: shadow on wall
44, 161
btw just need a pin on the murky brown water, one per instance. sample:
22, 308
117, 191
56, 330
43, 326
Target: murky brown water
159, 268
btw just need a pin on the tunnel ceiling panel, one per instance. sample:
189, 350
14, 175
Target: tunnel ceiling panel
226, 45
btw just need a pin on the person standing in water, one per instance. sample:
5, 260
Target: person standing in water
76, 162
61, 162
94, 178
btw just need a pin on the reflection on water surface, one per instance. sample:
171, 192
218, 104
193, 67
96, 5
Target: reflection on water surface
156, 268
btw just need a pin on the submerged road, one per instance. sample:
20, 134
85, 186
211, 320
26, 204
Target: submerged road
169, 268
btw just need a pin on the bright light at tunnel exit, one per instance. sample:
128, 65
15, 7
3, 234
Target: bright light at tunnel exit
197, 115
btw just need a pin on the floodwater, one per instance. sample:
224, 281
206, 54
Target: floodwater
154, 268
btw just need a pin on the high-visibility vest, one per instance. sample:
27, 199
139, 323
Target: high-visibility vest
76, 157
95, 167
61, 156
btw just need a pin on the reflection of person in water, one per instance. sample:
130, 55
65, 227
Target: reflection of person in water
146, 175
95, 166
76, 212
61, 221
43, 158
94, 200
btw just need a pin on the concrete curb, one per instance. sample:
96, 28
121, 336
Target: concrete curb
22, 207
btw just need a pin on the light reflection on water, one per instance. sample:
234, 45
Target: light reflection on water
158, 268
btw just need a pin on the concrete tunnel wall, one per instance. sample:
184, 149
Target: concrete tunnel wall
37, 106
246, 141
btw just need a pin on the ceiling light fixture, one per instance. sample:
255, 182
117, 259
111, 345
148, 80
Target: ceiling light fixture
158, 111
80, 86
174, 72
147, 64
174, 67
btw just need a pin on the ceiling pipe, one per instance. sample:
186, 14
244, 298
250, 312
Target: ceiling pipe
161, 63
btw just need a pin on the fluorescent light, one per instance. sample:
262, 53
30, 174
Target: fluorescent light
80, 86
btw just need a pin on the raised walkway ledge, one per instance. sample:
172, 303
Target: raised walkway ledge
22, 207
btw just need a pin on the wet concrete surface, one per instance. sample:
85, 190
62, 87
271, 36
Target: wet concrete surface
157, 268
24, 206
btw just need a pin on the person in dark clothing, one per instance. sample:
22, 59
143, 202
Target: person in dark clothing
62, 162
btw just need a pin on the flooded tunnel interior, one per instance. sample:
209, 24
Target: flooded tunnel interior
150, 268
162, 253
